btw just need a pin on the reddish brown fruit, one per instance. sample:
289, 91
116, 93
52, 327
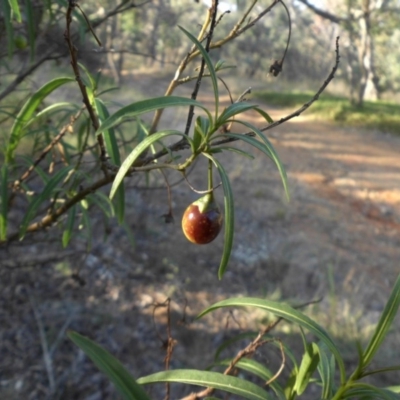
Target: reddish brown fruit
202, 220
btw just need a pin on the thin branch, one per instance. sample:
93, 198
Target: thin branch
66, 128
324, 14
213, 13
74, 63
300, 110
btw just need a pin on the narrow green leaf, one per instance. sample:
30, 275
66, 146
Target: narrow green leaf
109, 365
250, 140
69, 227
137, 151
200, 131
288, 313
91, 81
37, 201
3, 201
264, 114
309, 364
215, 380
382, 370
15, 10
27, 111
103, 202
113, 151
384, 324
365, 391
233, 150
273, 154
210, 66
256, 368
53, 108
234, 109
326, 369
229, 213
144, 106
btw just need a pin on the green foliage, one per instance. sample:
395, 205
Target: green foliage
317, 356
98, 154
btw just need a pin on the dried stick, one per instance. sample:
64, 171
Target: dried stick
74, 63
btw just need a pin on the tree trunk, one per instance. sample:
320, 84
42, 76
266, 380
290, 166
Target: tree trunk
368, 87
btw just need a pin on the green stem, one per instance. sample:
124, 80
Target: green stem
210, 177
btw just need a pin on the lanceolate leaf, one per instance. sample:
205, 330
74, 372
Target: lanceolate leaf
229, 216
137, 151
215, 380
326, 369
384, 324
69, 226
62, 106
308, 365
144, 106
26, 114
364, 391
256, 368
115, 371
288, 313
15, 9
234, 109
113, 151
272, 152
209, 63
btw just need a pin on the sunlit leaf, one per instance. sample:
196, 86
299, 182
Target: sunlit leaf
27, 111
145, 106
15, 10
232, 110
137, 151
229, 216
109, 365
215, 380
384, 324
288, 313
308, 365
209, 64
69, 226
219, 149
326, 369
272, 152
264, 114
113, 151
53, 108
256, 368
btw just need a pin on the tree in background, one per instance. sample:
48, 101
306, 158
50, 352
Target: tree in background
364, 22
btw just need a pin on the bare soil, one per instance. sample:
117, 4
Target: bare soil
337, 239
